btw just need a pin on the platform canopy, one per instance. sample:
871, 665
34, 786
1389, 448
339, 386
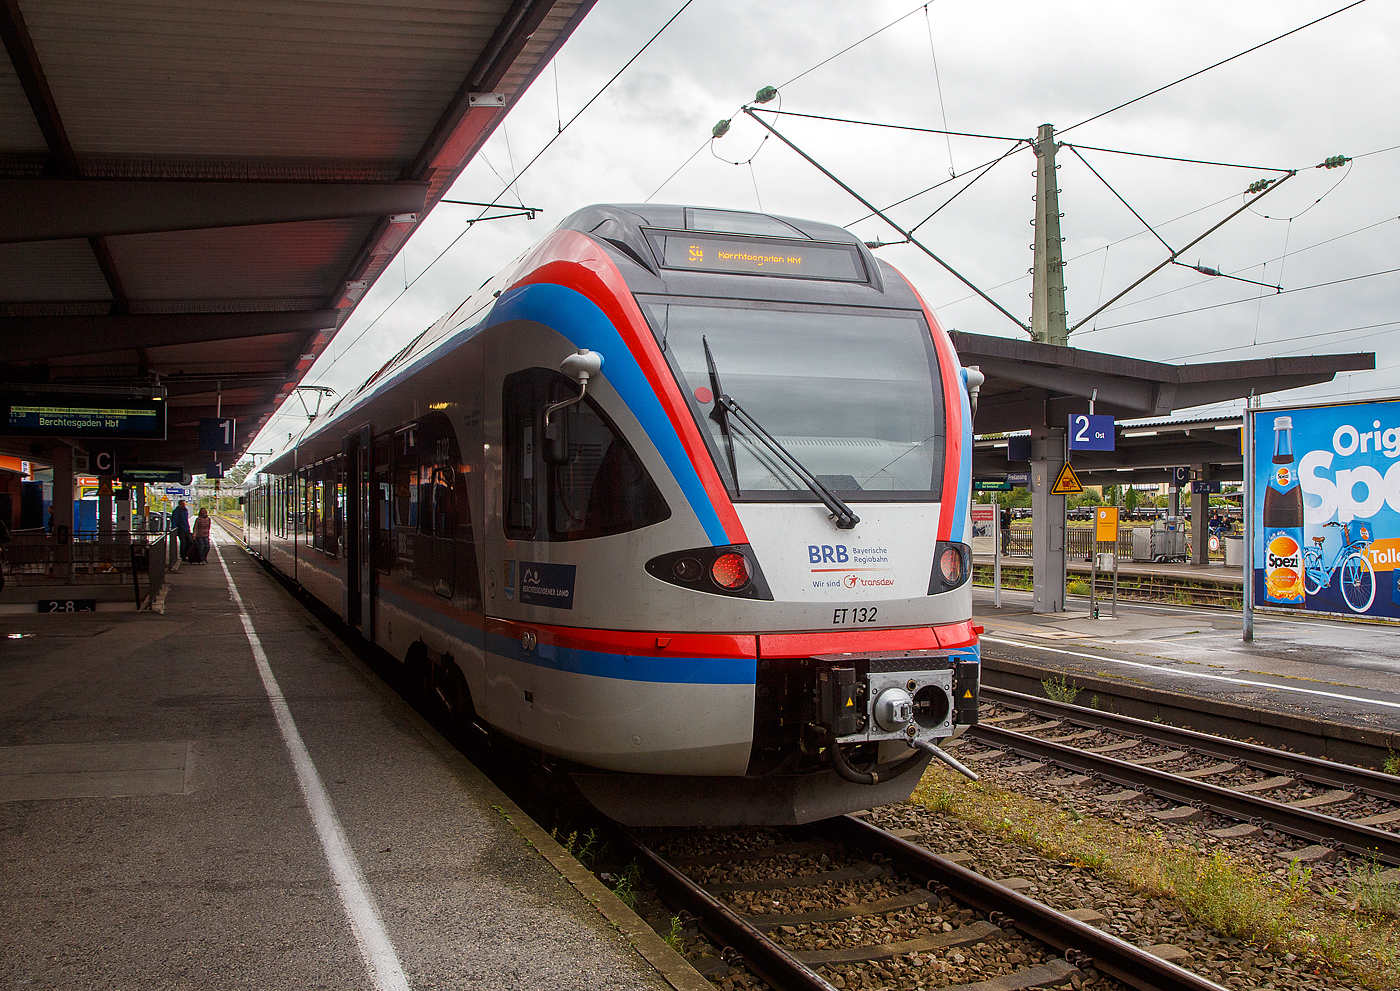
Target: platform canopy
195, 195
1031, 385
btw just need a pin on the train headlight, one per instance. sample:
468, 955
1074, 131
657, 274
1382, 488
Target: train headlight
688, 569
731, 571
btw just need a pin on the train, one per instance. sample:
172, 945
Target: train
679, 500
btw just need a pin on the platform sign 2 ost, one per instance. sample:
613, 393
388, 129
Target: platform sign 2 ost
1327, 508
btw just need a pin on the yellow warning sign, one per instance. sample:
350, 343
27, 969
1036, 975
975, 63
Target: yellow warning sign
967, 694
850, 703
1067, 483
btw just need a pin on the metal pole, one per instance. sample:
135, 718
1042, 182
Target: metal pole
1094, 573
1048, 311
1248, 604
996, 565
1115, 577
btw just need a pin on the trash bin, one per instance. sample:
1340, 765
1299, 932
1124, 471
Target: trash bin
1234, 552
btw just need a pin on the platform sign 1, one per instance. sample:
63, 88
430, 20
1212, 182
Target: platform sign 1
1326, 516
216, 433
1090, 432
213, 470
1106, 523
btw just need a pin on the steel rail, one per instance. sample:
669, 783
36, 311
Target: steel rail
763, 956
1079, 942
1377, 784
1366, 841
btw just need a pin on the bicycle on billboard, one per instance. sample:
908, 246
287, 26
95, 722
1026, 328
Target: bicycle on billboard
1357, 580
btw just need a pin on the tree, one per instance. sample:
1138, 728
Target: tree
240, 471
1130, 500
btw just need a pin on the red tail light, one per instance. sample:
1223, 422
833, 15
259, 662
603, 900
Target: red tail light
731, 571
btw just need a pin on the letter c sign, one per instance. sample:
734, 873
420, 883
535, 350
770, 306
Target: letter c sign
104, 462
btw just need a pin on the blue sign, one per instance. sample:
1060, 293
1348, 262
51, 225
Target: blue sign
1327, 508
1088, 432
547, 584
1019, 478
216, 433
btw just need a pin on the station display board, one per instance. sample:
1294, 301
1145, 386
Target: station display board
79, 416
1326, 518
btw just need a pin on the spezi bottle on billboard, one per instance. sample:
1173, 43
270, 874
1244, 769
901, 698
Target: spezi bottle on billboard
1283, 522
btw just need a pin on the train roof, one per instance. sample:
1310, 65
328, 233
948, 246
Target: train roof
622, 229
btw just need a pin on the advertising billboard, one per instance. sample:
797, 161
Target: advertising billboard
1327, 508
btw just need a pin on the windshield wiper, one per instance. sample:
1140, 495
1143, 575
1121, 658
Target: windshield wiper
842, 514
720, 414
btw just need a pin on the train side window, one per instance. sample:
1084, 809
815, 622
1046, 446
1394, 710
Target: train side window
384, 502
519, 404
406, 478
602, 489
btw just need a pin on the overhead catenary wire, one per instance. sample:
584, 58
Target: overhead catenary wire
883, 216
1173, 256
1247, 299
496, 199
1177, 289
1216, 65
938, 84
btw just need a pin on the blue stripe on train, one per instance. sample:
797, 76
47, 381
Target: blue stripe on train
580, 320
597, 664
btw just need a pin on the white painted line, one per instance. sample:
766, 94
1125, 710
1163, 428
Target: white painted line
378, 953
1194, 674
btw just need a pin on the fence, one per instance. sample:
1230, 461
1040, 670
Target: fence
38, 559
1079, 544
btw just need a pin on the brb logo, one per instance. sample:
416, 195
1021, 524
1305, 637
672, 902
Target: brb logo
828, 554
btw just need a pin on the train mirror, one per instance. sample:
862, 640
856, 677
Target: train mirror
579, 366
556, 444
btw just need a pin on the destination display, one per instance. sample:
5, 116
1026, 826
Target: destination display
760, 256
152, 474
1327, 508
82, 416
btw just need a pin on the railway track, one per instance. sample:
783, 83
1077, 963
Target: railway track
796, 907
1334, 805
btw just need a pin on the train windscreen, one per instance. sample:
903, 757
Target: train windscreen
853, 394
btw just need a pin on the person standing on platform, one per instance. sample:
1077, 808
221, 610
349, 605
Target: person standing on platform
1005, 530
180, 524
4, 550
199, 552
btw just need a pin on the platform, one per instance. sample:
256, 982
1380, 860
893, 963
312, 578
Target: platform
156, 825
1341, 673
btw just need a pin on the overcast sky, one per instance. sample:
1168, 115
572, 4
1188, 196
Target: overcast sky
1002, 68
